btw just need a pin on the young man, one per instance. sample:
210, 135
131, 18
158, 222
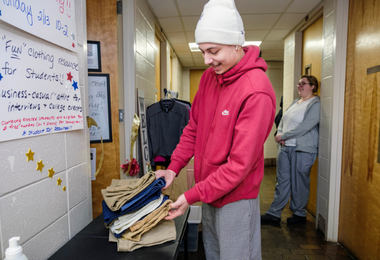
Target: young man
231, 117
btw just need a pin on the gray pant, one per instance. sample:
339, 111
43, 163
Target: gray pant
232, 232
293, 179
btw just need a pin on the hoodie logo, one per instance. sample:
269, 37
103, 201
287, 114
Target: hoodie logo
225, 113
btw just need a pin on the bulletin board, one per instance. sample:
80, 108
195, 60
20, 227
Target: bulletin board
39, 89
99, 101
51, 20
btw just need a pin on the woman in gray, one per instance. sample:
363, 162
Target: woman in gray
298, 136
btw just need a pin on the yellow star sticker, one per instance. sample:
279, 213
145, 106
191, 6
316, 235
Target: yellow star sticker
30, 154
51, 172
40, 165
59, 181
64, 188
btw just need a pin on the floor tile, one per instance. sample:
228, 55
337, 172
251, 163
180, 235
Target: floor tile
285, 241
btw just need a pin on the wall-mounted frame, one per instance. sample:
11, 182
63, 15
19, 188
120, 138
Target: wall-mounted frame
308, 70
143, 132
99, 101
94, 62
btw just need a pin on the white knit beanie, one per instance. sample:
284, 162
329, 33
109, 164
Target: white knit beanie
220, 23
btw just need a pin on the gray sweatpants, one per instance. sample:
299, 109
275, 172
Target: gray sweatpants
232, 232
293, 179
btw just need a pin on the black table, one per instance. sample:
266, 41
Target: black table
92, 243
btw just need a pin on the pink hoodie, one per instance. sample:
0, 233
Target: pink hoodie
231, 117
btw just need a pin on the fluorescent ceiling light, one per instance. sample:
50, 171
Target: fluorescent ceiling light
257, 43
194, 47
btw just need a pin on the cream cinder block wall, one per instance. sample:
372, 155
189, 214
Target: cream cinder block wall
292, 67
31, 204
335, 28
145, 42
177, 82
186, 84
145, 66
275, 75
144, 59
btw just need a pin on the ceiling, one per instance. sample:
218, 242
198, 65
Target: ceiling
269, 21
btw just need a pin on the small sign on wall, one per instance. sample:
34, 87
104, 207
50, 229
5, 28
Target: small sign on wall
143, 132
99, 102
93, 163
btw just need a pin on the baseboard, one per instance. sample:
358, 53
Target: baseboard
269, 162
322, 225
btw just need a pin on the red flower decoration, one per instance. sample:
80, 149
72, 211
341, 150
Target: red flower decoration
134, 167
73, 45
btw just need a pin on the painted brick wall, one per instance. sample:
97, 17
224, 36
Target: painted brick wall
275, 75
177, 77
145, 72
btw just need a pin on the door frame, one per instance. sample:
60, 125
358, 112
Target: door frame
335, 25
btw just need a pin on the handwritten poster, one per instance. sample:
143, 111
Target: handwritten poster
39, 89
52, 20
100, 107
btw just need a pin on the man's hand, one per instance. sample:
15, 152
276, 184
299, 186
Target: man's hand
278, 138
178, 208
168, 175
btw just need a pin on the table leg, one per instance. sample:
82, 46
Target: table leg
186, 241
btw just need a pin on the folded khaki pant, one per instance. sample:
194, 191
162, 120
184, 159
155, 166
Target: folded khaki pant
121, 191
146, 224
124, 222
163, 232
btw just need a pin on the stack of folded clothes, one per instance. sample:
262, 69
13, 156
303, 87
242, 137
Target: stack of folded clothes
134, 210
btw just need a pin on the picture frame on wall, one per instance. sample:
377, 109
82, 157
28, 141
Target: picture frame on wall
94, 61
308, 70
99, 102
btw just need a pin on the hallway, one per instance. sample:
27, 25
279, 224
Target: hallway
283, 241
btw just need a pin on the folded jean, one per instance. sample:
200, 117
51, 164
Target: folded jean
152, 192
121, 191
163, 232
125, 221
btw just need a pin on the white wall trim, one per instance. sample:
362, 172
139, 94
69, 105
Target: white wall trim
129, 52
87, 133
339, 59
298, 39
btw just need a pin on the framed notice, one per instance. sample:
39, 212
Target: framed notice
99, 102
308, 69
94, 62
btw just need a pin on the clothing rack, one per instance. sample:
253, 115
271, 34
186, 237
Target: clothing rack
173, 94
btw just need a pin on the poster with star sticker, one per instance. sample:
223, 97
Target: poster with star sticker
39, 89
53, 21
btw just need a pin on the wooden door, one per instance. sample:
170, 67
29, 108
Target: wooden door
312, 59
195, 79
359, 214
